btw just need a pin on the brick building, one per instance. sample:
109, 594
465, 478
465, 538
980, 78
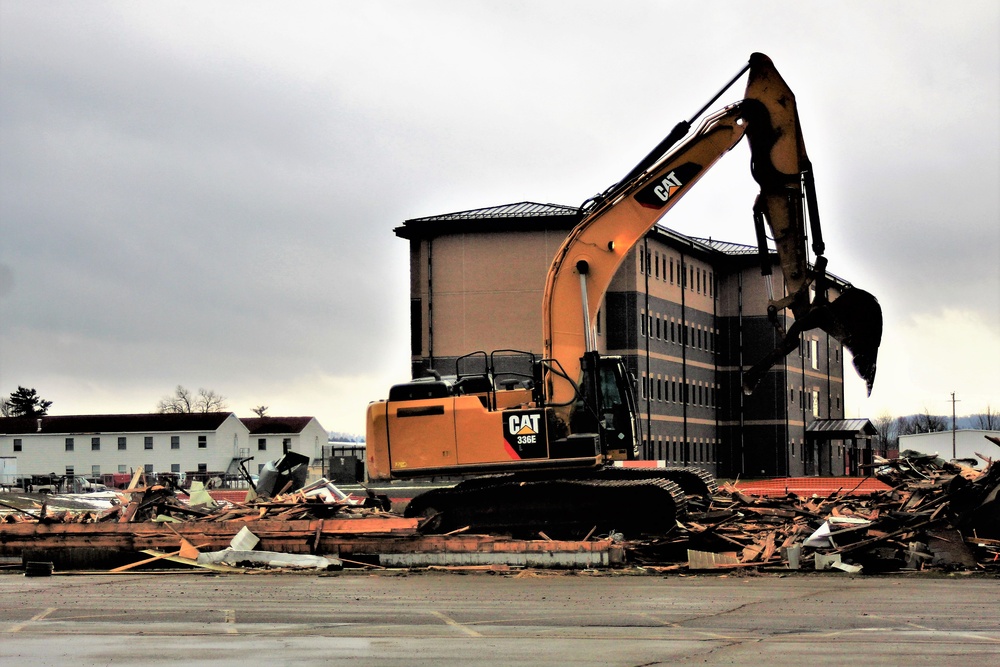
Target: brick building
687, 314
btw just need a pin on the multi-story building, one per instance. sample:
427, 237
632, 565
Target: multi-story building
689, 316
96, 445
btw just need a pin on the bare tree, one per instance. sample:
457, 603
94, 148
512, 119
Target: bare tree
182, 402
887, 428
921, 423
989, 420
260, 410
4, 407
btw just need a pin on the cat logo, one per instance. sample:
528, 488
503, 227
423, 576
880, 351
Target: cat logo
666, 188
524, 433
525, 425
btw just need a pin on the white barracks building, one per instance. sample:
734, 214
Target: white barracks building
95, 445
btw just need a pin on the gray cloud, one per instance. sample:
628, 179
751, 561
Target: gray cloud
207, 194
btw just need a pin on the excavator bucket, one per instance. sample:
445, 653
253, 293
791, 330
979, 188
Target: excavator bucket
856, 321
854, 318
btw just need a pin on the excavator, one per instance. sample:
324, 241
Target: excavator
535, 447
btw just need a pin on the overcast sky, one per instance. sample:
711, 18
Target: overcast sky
204, 193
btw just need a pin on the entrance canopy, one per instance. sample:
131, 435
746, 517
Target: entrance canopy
840, 429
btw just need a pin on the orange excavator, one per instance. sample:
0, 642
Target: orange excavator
539, 442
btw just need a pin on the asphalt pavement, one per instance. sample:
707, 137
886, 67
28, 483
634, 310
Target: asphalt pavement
520, 618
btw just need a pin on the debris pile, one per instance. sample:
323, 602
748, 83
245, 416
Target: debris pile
164, 503
937, 515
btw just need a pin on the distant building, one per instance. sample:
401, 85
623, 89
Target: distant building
96, 445
270, 437
689, 315
968, 444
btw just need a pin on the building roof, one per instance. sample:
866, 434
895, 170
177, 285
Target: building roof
835, 429
531, 216
519, 217
524, 209
728, 247
275, 425
95, 424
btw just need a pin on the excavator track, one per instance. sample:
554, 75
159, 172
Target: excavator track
560, 508
693, 481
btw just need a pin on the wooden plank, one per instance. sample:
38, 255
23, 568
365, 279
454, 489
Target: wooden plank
188, 561
158, 556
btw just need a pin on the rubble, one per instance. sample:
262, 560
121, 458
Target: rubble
931, 515
934, 515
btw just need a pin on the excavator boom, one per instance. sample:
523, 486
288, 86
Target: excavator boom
587, 261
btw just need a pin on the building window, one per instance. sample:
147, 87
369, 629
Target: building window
262, 444
658, 326
711, 280
657, 265
671, 270
814, 352
95, 444
175, 467
70, 471
147, 442
642, 325
122, 443
122, 469
175, 442
69, 444
17, 444
644, 382
95, 471
148, 468
815, 403
286, 445
202, 442
202, 467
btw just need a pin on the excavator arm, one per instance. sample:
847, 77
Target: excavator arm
585, 264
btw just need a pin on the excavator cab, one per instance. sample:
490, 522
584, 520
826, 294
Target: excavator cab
607, 407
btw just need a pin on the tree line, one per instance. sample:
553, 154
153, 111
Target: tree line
890, 428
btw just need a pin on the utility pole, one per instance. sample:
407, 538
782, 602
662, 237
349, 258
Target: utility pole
954, 454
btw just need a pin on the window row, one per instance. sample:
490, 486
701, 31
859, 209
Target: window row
286, 445
666, 268
147, 443
672, 390
701, 450
810, 400
95, 470
690, 335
